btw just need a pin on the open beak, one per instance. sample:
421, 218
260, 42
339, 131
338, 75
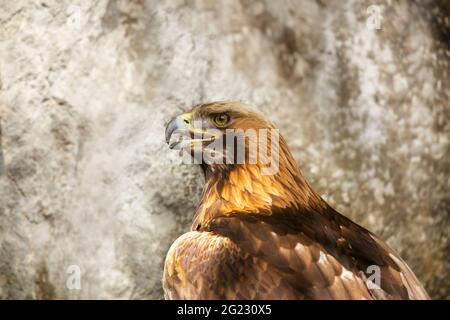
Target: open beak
180, 132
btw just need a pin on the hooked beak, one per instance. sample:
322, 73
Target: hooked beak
180, 132
179, 126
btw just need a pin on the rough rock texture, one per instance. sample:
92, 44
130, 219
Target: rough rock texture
87, 87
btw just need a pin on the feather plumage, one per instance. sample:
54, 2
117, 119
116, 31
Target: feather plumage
258, 236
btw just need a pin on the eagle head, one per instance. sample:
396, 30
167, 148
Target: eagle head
222, 135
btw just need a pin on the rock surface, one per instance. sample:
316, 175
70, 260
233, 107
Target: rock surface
87, 182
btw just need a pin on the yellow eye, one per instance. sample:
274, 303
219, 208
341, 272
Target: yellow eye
221, 119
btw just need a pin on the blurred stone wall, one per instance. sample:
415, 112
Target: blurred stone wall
88, 86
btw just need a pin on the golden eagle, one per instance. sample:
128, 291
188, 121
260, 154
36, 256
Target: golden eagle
268, 235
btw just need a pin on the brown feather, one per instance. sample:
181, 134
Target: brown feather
272, 237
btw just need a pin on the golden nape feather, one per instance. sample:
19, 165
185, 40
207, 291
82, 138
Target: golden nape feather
259, 235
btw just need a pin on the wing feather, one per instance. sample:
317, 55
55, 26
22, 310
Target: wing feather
202, 265
247, 256
315, 253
